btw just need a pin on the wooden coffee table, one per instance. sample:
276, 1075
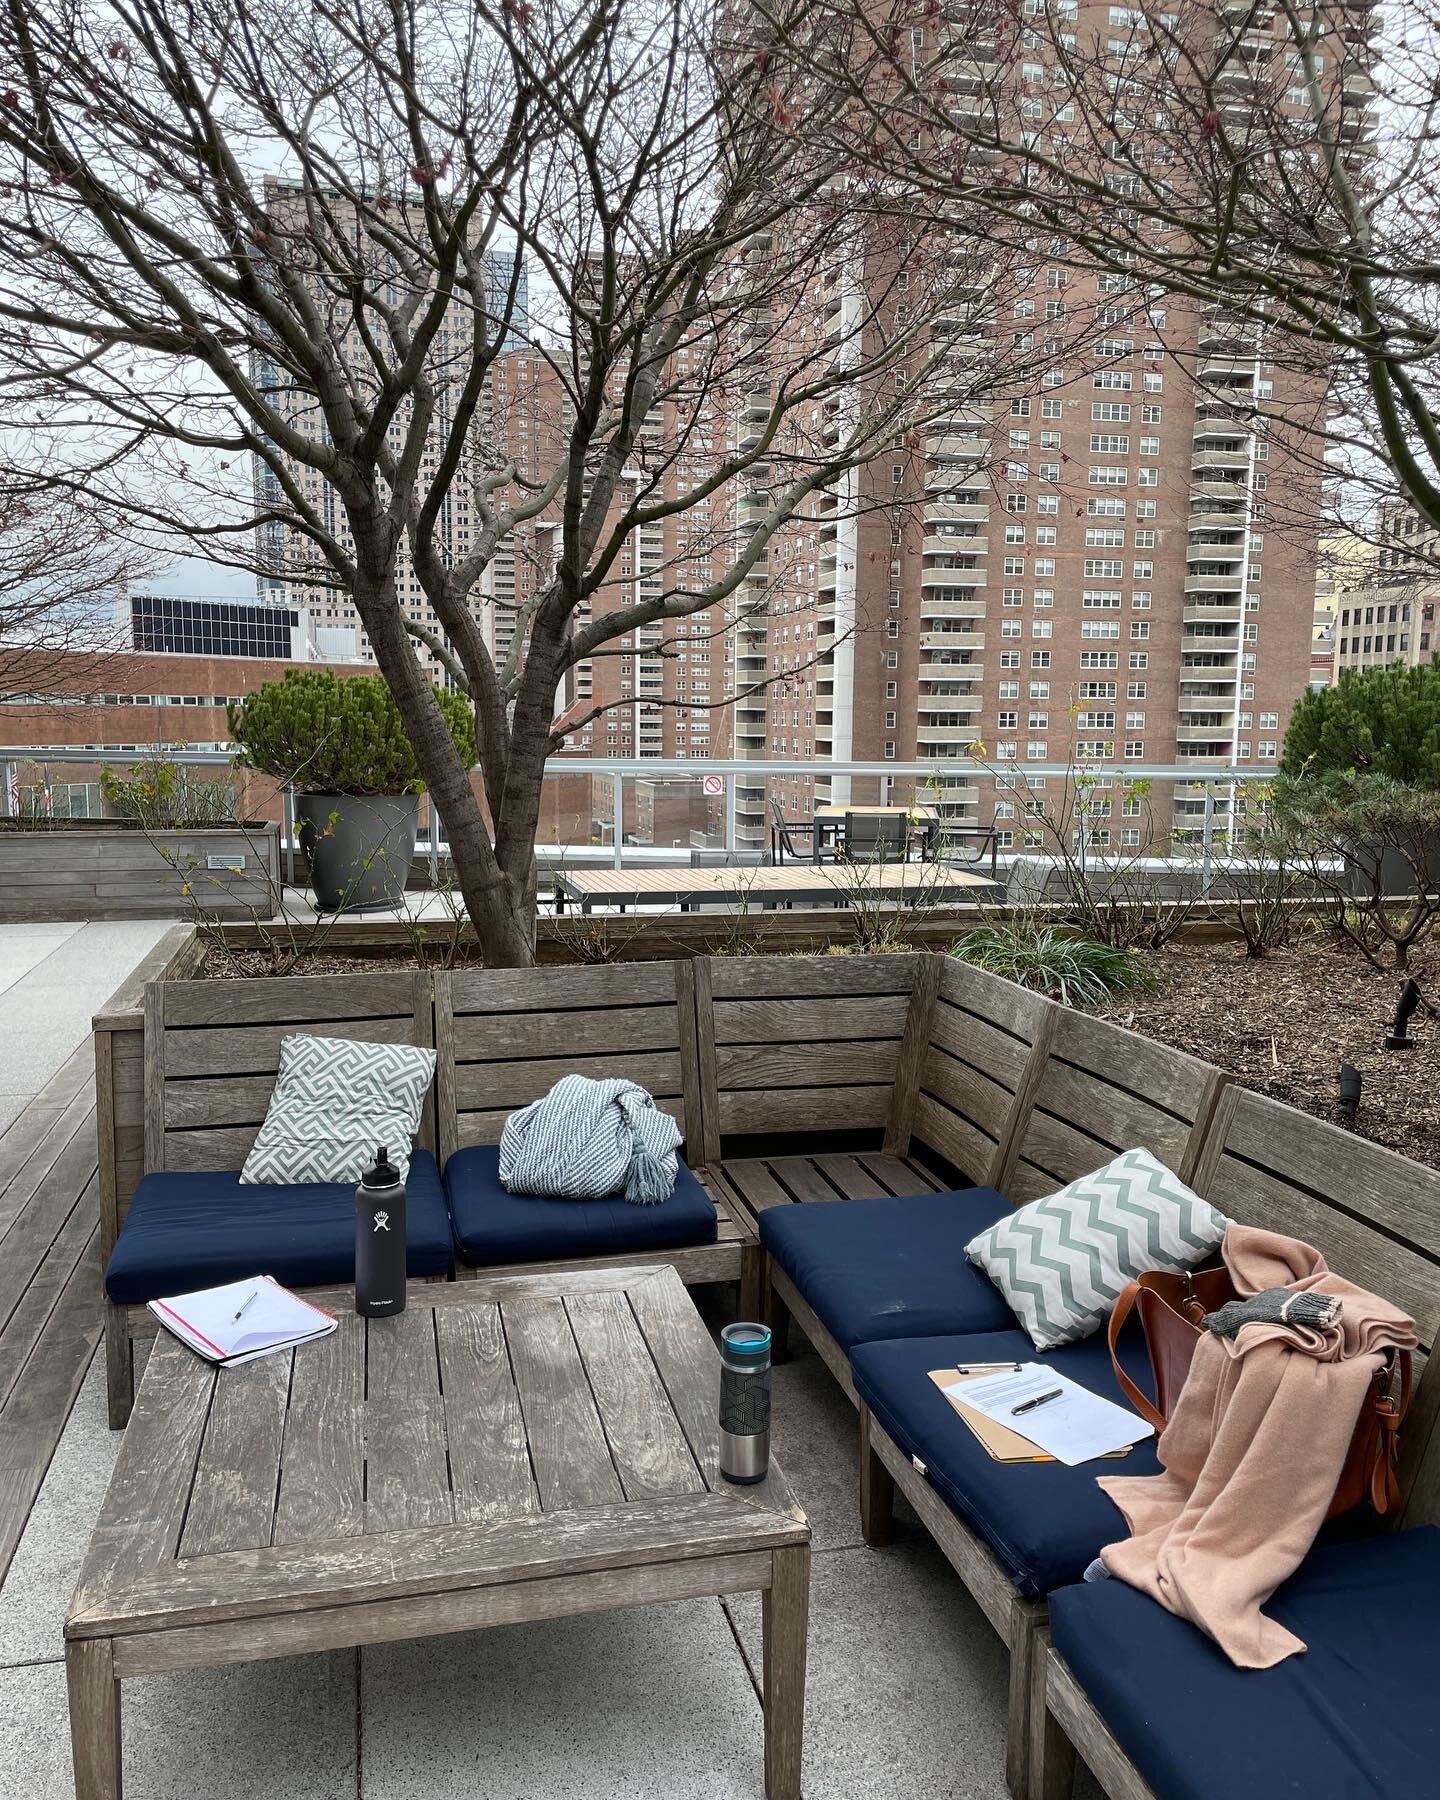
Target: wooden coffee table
520, 1447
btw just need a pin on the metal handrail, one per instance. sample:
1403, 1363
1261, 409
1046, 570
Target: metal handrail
731, 771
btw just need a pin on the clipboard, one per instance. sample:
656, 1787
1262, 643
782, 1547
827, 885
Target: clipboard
1000, 1442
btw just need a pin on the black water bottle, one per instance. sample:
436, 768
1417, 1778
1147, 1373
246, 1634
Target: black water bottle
380, 1240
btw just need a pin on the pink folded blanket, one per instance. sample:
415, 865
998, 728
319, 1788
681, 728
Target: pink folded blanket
1253, 1451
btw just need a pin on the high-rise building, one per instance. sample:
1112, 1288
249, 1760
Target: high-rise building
1109, 560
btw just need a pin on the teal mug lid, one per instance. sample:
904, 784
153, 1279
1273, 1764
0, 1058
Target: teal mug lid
746, 1342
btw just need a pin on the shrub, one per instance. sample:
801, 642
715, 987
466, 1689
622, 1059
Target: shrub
1383, 721
1077, 971
161, 794
334, 734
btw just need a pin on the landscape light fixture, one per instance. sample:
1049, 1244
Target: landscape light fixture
1350, 1085
1398, 1037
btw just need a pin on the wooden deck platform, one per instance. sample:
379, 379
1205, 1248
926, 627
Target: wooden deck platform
788, 884
49, 1280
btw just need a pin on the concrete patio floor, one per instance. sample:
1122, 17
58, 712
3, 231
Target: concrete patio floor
906, 1686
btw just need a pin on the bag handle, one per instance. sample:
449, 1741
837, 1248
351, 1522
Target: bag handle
1390, 1414
1124, 1305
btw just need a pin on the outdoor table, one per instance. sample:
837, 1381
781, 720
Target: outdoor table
520, 1447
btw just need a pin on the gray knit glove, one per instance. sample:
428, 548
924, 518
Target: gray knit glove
1275, 1306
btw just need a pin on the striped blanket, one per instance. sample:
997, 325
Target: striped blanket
589, 1139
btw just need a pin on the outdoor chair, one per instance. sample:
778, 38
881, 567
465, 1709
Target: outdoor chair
784, 833
876, 837
968, 846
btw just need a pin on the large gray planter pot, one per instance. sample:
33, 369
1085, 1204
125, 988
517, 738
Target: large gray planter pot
1369, 857
359, 847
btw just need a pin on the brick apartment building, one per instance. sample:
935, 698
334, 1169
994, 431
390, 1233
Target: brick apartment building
1113, 563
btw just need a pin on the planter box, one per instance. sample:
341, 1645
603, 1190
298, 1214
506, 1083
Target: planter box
114, 871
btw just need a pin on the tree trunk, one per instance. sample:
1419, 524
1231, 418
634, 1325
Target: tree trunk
501, 908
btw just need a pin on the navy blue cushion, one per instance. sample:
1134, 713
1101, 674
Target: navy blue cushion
890, 1268
1044, 1522
494, 1226
1353, 1718
187, 1231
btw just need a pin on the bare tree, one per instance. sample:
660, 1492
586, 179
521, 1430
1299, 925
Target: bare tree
237, 233
1271, 162
65, 567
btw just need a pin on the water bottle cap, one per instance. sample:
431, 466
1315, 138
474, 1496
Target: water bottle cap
746, 1343
382, 1172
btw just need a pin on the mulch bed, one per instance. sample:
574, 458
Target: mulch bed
222, 965
1284, 1023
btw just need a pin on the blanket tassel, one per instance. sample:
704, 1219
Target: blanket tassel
647, 1183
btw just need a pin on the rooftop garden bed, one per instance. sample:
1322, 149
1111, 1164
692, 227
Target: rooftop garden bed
1283, 1024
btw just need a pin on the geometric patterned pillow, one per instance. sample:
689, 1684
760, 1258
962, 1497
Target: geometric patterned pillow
334, 1102
1062, 1261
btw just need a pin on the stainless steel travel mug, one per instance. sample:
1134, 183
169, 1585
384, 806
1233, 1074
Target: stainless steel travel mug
745, 1402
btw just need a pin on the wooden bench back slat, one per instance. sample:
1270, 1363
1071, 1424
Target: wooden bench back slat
212, 1049
801, 1044
1100, 1091
982, 1039
504, 1037
1372, 1214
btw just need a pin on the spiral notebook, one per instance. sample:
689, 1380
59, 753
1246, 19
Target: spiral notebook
241, 1320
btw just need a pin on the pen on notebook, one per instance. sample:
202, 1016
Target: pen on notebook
245, 1305
1039, 1400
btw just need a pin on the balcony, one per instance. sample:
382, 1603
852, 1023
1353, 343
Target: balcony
1216, 457
934, 641
932, 607
935, 512
940, 575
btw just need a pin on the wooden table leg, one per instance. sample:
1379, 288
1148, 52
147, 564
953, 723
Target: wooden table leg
94, 1718
786, 1619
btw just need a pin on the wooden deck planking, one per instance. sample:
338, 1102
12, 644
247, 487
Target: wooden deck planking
49, 1281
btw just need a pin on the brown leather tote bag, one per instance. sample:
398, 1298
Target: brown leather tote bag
1171, 1308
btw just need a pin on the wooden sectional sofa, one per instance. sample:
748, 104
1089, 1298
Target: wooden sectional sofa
800, 1080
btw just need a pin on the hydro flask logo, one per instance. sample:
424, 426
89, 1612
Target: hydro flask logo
382, 1221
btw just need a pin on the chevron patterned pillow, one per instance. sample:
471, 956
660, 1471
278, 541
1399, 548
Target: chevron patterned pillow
334, 1101
1062, 1261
